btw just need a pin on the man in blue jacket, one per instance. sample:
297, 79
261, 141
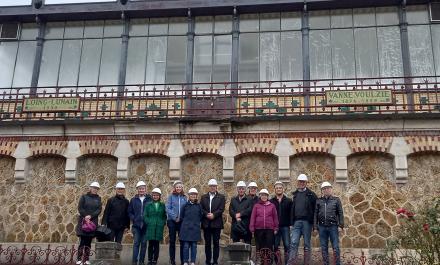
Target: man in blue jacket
139, 228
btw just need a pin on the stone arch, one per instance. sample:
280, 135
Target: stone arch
423, 178
318, 167
151, 168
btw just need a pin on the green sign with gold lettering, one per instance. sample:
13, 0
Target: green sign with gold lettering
359, 97
50, 104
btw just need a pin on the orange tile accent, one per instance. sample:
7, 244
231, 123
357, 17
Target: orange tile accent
423, 143
48, 147
201, 145
150, 146
8, 148
370, 144
256, 145
106, 147
312, 144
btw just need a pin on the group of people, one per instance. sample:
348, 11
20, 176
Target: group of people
269, 221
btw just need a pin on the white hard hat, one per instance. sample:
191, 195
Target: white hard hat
95, 185
325, 184
193, 190
263, 191
212, 182
156, 190
120, 185
140, 183
302, 177
252, 184
177, 182
278, 183
241, 184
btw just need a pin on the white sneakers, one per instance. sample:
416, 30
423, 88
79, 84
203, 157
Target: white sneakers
79, 262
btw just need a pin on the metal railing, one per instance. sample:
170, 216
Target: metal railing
222, 100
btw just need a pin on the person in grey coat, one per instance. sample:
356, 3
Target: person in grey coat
89, 208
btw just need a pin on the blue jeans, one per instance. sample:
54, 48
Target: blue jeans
283, 234
326, 233
300, 228
174, 229
186, 246
140, 241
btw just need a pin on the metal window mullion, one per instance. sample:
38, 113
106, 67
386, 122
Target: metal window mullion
122, 64
37, 58
235, 50
305, 30
404, 42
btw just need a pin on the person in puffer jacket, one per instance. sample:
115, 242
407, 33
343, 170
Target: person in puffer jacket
328, 217
264, 224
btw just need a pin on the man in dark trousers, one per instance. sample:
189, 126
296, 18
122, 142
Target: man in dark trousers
283, 205
116, 214
139, 228
240, 210
301, 218
213, 206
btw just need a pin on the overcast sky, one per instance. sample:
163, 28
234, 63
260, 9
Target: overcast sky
28, 2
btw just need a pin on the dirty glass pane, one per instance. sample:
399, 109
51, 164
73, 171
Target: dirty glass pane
178, 26
138, 27
90, 60
158, 26
54, 30
291, 21
417, 14
74, 29
93, 29
15, 2
110, 61
204, 25
24, 64
270, 56
390, 53
341, 18
156, 60
291, 56
248, 57
343, 53
222, 58
364, 17
223, 24
249, 23
367, 60
136, 60
29, 31
420, 50
387, 16
8, 53
435, 31
113, 28
270, 22
320, 54
50, 61
319, 19
176, 59
202, 59
69, 66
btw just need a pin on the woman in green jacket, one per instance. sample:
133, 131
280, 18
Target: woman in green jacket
155, 218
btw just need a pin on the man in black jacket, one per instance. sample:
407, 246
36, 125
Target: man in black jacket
116, 214
301, 218
328, 217
283, 205
240, 210
213, 206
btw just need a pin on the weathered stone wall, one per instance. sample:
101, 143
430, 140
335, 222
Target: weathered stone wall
44, 207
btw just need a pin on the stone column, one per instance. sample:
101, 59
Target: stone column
341, 151
228, 151
21, 162
123, 152
175, 152
72, 153
400, 150
284, 150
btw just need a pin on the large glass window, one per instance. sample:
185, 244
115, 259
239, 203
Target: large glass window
355, 43
17, 58
157, 51
270, 47
81, 53
212, 49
